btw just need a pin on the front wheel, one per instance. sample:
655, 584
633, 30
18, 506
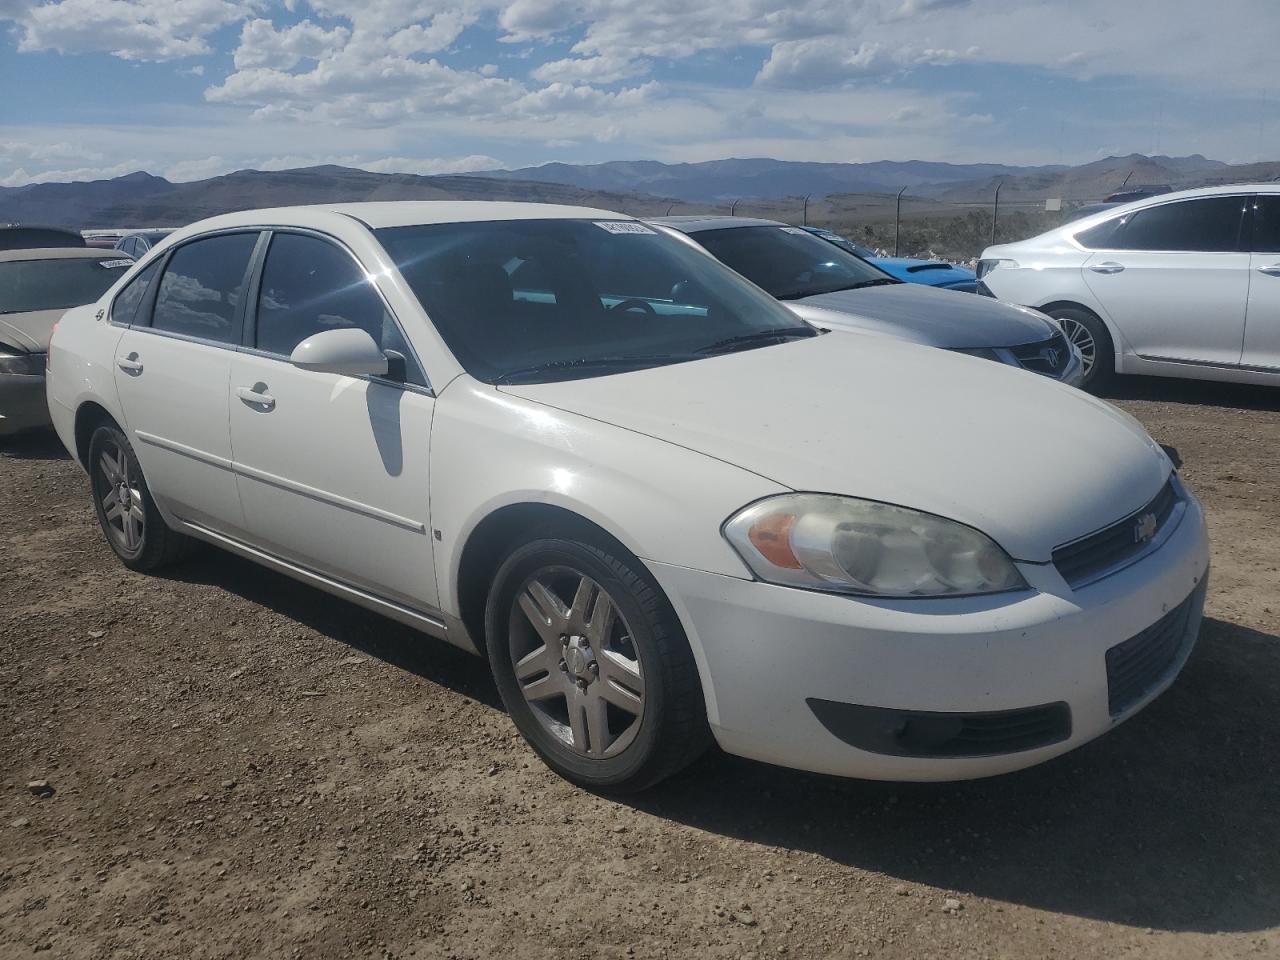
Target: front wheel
593, 665
1090, 335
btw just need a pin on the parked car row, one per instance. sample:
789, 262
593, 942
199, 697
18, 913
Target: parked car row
665, 506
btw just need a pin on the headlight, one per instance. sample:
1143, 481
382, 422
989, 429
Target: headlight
22, 364
847, 545
986, 266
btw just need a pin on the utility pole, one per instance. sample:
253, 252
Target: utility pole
805, 216
732, 207
897, 219
995, 211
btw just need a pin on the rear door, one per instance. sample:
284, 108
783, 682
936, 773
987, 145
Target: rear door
173, 368
1262, 321
1174, 278
333, 470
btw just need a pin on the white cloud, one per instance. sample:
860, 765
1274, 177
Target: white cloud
129, 29
262, 45
603, 68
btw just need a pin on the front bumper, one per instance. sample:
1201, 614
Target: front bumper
22, 404
769, 656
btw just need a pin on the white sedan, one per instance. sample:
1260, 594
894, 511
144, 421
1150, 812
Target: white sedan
1179, 285
662, 506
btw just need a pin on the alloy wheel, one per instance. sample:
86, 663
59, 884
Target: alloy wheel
575, 662
120, 493
1080, 336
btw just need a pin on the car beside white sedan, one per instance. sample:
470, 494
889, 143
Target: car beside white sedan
1177, 285
664, 508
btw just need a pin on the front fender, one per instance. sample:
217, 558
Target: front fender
663, 502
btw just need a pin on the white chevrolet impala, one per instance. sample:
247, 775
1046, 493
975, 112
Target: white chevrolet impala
662, 506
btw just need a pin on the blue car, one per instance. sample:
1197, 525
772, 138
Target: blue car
932, 273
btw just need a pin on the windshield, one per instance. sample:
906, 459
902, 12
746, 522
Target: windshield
789, 262
29, 285
525, 301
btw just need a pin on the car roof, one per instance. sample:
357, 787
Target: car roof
62, 253
696, 224
1120, 209
402, 213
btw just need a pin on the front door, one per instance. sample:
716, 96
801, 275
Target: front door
333, 470
1175, 280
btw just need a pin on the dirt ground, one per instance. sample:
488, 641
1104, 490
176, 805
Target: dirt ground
245, 767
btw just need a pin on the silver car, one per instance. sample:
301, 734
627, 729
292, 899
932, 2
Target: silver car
36, 287
832, 288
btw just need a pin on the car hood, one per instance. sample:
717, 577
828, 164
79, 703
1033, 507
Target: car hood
939, 318
28, 332
1030, 462
928, 272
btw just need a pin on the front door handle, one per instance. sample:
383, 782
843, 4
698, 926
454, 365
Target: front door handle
1271, 271
130, 364
1109, 267
257, 396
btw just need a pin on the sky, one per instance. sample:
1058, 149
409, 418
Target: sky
188, 89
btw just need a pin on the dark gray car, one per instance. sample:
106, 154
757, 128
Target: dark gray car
36, 288
833, 288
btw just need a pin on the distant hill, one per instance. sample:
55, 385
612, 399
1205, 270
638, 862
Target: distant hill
1093, 181
768, 179
140, 198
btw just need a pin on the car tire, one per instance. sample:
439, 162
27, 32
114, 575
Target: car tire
135, 531
593, 665
1087, 331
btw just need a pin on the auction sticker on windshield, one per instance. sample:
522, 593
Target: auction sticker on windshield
622, 226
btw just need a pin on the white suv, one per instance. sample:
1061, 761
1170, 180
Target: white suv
661, 504
1180, 285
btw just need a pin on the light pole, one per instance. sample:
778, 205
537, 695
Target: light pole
897, 219
995, 211
804, 218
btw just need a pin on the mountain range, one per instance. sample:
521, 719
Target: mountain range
644, 187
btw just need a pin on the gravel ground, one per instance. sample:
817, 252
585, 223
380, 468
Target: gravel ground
241, 766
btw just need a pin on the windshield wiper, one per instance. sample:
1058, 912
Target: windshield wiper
729, 344
861, 284
589, 363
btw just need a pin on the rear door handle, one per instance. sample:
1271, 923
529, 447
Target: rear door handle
129, 364
1109, 267
257, 396
1271, 271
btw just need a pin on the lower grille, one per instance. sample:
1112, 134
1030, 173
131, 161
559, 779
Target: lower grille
916, 733
1139, 664
1045, 356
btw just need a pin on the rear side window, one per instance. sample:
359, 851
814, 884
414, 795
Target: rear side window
27, 285
309, 285
203, 286
135, 291
1266, 224
1206, 225
1101, 237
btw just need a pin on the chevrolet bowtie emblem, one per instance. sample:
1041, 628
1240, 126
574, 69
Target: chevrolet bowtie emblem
1145, 528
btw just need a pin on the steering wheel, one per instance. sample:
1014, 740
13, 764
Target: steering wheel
633, 303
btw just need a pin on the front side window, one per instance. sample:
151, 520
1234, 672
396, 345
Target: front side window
1102, 236
135, 291
1205, 225
527, 301
1266, 223
309, 286
789, 262
29, 285
203, 286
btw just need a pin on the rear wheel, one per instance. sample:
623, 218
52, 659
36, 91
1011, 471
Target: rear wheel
126, 512
593, 665
1090, 335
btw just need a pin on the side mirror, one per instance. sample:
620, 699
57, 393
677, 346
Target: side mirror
350, 351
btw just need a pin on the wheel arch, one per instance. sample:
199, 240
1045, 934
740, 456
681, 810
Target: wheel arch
1069, 304
89, 416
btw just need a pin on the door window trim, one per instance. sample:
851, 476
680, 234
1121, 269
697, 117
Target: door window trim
248, 334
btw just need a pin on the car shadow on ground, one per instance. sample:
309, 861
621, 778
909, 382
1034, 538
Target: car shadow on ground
34, 445
1169, 822
1200, 392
